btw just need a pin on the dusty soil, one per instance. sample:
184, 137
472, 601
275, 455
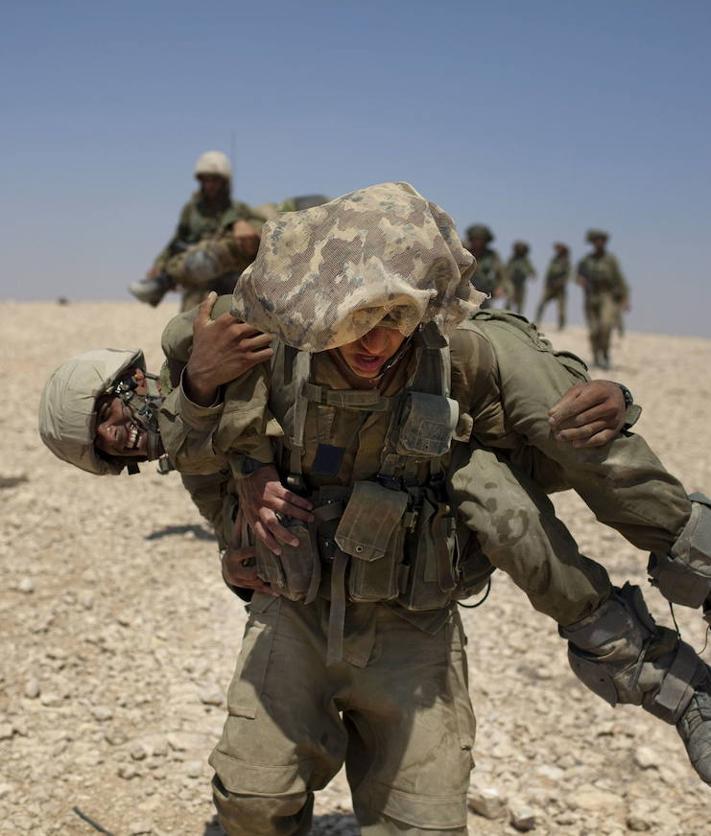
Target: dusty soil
118, 637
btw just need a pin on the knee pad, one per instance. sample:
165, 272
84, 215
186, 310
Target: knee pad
684, 575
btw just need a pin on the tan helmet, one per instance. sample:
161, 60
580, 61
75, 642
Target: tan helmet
67, 412
215, 163
327, 275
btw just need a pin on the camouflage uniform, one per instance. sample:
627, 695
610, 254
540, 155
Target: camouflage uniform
556, 281
194, 268
491, 276
518, 270
347, 450
605, 291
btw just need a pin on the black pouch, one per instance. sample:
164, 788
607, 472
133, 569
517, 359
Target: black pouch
430, 576
371, 532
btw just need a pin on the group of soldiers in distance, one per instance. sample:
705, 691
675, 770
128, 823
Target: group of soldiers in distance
598, 273
217, 237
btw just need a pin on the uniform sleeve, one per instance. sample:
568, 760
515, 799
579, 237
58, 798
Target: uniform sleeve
206, 261
623, 483
620, 289
181, 233
215, 502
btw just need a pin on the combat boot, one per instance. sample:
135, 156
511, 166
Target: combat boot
151, 291
623, 656
695, 729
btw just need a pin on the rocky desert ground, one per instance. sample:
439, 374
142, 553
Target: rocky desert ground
118, 638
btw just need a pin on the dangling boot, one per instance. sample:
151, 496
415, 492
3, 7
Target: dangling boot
151, 291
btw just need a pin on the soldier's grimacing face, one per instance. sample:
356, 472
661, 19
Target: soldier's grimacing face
117, 434
367, 356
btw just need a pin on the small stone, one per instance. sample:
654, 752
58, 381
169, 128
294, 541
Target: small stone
523, 817
487, 802
637, 823
6, 789
211, 695
115, 737
178, 743
86, 599
595, 800
6, 731
646, 758
138, 752
127, 771
102, 713
140, 828
159, 749
26, 585
32, 689
193, 769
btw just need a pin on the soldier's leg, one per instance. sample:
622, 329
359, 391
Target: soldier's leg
541, 307
595, 326
283, 737
519, 533
411, 731
624, 657
561, 309
606, 314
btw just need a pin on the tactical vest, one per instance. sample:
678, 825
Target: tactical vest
389, 538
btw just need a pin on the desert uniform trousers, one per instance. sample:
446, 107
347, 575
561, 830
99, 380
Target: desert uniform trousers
601, 315
396, 711
551, 294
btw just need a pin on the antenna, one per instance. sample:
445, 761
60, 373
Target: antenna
232, 150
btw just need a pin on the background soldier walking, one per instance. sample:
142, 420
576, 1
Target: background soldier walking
518, 270
605, 291
490, 275
557, 277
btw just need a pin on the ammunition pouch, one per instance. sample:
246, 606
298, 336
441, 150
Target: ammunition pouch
428, 574
427, 425
296, 572
607, 652
371, 532
684, 575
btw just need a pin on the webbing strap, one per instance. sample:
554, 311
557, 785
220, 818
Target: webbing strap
677, 687
337, 614
357, 399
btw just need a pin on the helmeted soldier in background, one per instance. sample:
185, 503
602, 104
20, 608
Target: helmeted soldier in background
605, 292
518, 270
490, 275
556, 281
210, 214
360, 386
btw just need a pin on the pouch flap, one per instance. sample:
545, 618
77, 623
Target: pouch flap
427, 425
371, 516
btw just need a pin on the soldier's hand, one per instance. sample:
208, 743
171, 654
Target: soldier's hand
264, 501
247, 238
238, 569
589, 414
223, 349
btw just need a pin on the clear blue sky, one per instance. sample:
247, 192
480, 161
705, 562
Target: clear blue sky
539, 118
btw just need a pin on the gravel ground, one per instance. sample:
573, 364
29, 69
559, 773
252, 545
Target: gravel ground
118, 637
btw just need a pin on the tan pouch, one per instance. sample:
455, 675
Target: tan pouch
296, 572
430, 575
428, 423
370, 531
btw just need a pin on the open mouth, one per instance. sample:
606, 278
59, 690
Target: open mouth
133, 438
368, 362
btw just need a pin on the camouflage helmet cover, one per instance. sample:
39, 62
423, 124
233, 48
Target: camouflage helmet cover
67, 412
326, 276
592, 234
480, 231
215, 163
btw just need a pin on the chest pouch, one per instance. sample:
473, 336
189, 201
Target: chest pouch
427, 425
371, 532
296, 572
428, 576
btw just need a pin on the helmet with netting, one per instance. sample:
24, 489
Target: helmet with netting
214, 163
326, 276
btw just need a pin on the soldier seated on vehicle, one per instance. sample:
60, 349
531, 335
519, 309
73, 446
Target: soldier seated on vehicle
359, 385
